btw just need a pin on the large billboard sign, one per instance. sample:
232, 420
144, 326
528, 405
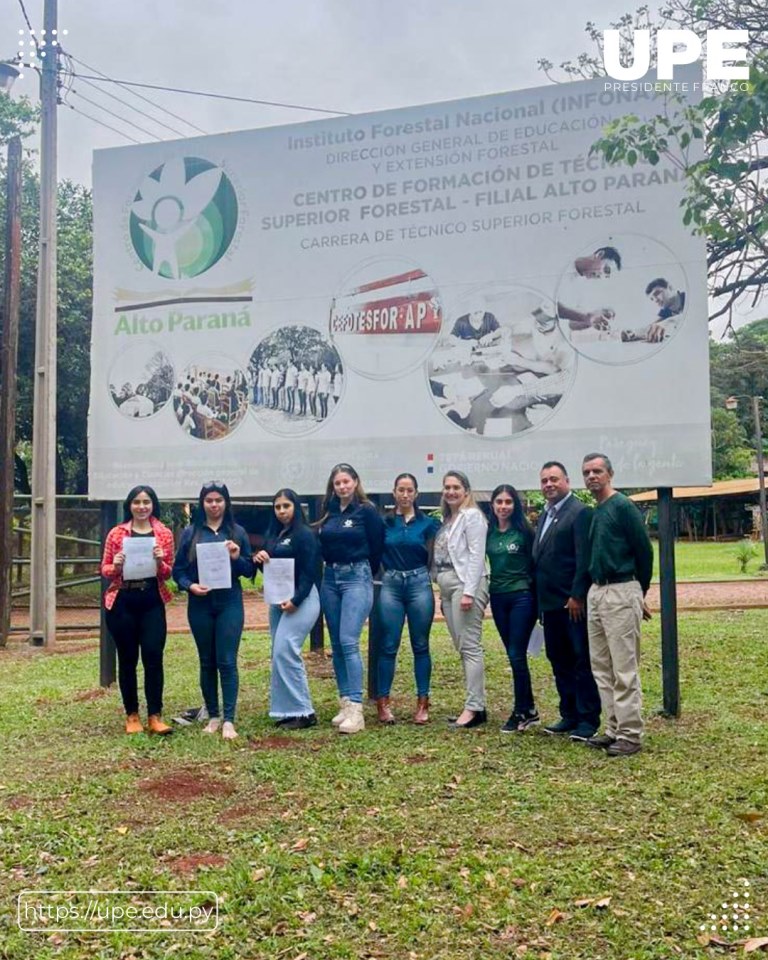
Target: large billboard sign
451, 285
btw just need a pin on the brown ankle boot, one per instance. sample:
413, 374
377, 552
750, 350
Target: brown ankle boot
422, 710
384, 713
156, 725
133, 724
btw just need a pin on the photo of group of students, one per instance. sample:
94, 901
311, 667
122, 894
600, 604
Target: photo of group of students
296, 380
581, 572
140, 382
210, 401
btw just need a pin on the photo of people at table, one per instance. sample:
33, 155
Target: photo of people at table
210, 398
503, 366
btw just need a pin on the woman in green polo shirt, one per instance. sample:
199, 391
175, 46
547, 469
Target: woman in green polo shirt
513, 604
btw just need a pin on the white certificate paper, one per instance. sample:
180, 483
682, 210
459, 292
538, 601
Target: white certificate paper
278, 580
139, 562
213, 567
536, 640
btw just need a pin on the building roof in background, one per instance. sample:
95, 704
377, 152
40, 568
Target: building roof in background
721, 488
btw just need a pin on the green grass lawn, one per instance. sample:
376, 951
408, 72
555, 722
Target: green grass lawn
711, 561
405, 843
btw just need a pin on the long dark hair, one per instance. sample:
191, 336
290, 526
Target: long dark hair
133, 493
359, 495
518, 520
275, 528
416, 509
198, 521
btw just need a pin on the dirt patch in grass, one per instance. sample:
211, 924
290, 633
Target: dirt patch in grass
418, 758
251, 810
185, 786
192, 862
94, 694
20, 802
276, 743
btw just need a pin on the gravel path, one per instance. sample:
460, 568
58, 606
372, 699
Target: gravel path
716, 595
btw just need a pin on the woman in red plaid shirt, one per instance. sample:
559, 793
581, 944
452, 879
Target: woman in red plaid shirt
135, 608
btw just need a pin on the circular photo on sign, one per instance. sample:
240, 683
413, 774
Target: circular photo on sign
296, 381
210, 398
385, 318
501, 366
141, 380
622, 299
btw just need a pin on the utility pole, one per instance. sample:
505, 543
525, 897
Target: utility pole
42, 606
761, 475
9, 352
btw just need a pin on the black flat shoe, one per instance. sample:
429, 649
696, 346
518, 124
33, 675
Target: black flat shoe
300, 723
478, 718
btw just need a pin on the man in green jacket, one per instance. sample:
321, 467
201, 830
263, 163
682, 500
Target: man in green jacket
620, 565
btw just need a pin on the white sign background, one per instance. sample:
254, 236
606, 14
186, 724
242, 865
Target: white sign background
478, 207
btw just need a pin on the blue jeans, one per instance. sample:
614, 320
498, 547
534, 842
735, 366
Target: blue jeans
217, 626
405, 593
514, 615
346, 596
289, 690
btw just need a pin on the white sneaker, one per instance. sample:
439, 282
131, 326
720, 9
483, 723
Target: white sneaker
354, 721
341, 716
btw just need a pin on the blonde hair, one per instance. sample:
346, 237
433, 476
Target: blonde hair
469, 497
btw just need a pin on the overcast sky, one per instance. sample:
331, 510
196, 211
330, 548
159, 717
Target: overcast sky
345, 55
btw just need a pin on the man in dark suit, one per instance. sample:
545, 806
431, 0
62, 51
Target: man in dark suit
561, 556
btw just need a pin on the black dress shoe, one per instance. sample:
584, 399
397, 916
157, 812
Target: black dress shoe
478, 718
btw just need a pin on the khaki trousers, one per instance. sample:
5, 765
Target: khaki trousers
466, 628
614, 615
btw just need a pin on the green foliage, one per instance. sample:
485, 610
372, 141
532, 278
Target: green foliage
738, 367
746, 551
17, 117
731, 457
75, 284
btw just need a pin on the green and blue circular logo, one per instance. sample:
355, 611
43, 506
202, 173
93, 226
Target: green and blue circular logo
183, 218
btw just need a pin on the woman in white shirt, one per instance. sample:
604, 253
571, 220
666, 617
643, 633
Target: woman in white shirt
459, 569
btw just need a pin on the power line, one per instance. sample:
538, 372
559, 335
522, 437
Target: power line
101, 123
142, 97
23, 10
117, 116
130, 106
26, 18
215, 96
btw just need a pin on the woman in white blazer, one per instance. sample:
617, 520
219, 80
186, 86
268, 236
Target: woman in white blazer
460, 572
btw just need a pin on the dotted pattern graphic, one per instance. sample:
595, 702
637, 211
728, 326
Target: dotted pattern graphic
35, 45
736, 912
